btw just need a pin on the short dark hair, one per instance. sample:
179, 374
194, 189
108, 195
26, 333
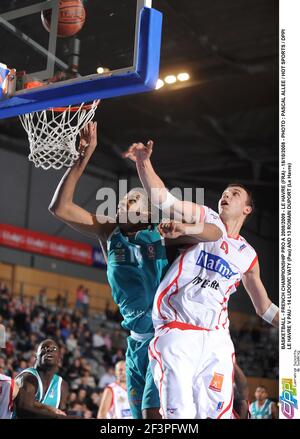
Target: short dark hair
261, 387
250, 200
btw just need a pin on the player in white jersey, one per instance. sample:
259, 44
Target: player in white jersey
192, 355
8, 388
114, 403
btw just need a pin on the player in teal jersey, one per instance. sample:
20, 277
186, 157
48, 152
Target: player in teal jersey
43, 393
263, 408
136, 263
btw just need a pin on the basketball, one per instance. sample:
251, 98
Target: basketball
71, 18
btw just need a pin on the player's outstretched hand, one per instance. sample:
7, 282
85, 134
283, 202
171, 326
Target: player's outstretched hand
171, 229
139, 151
88, 141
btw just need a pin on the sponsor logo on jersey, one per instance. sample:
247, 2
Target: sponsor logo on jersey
220, 406
216, 264
125, 413
51, 394
205, 283
216, 382
151, 251
242, 247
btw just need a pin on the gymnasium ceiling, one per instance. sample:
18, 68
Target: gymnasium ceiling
223, 124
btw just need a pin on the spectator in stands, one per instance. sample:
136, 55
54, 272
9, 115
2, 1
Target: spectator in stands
71, 343
93, 402
42, 298
107, 342
74, 370
4, 292
119, 356
108, 378
98, 340
85, 302
79, 297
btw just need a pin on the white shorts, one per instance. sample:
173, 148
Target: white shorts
194, 373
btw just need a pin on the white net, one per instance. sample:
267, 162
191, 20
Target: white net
52, 134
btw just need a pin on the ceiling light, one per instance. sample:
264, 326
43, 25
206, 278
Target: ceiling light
170, 79
160, 83
183, 77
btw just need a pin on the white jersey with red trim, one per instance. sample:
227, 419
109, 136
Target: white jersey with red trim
120, 408
196, 288
6, 397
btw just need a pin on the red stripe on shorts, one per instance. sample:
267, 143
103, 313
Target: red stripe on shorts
231, 400
183, 326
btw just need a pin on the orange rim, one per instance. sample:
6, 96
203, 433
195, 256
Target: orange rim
74, 109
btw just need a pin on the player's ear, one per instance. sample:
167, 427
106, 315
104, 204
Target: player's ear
247, 210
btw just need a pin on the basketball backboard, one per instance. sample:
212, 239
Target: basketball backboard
117, 52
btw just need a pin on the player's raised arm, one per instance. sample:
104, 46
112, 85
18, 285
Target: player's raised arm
259, 296
183, 211
62, 205
182, 233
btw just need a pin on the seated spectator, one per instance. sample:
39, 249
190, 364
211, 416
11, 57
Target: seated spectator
71, 343
98, 340
42, 298
119, 356
85, 302
108, 378
107, 341
79, 297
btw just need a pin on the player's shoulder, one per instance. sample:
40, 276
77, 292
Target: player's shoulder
27, 376
245, 245
5, 378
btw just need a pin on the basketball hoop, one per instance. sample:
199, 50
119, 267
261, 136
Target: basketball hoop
52, 134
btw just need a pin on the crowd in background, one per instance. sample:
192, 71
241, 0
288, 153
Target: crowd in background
256, 349
90, 346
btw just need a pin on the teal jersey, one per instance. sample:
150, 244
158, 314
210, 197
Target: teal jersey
135, 268
50, 396
261, 412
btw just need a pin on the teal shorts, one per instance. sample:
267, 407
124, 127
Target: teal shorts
142, 392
